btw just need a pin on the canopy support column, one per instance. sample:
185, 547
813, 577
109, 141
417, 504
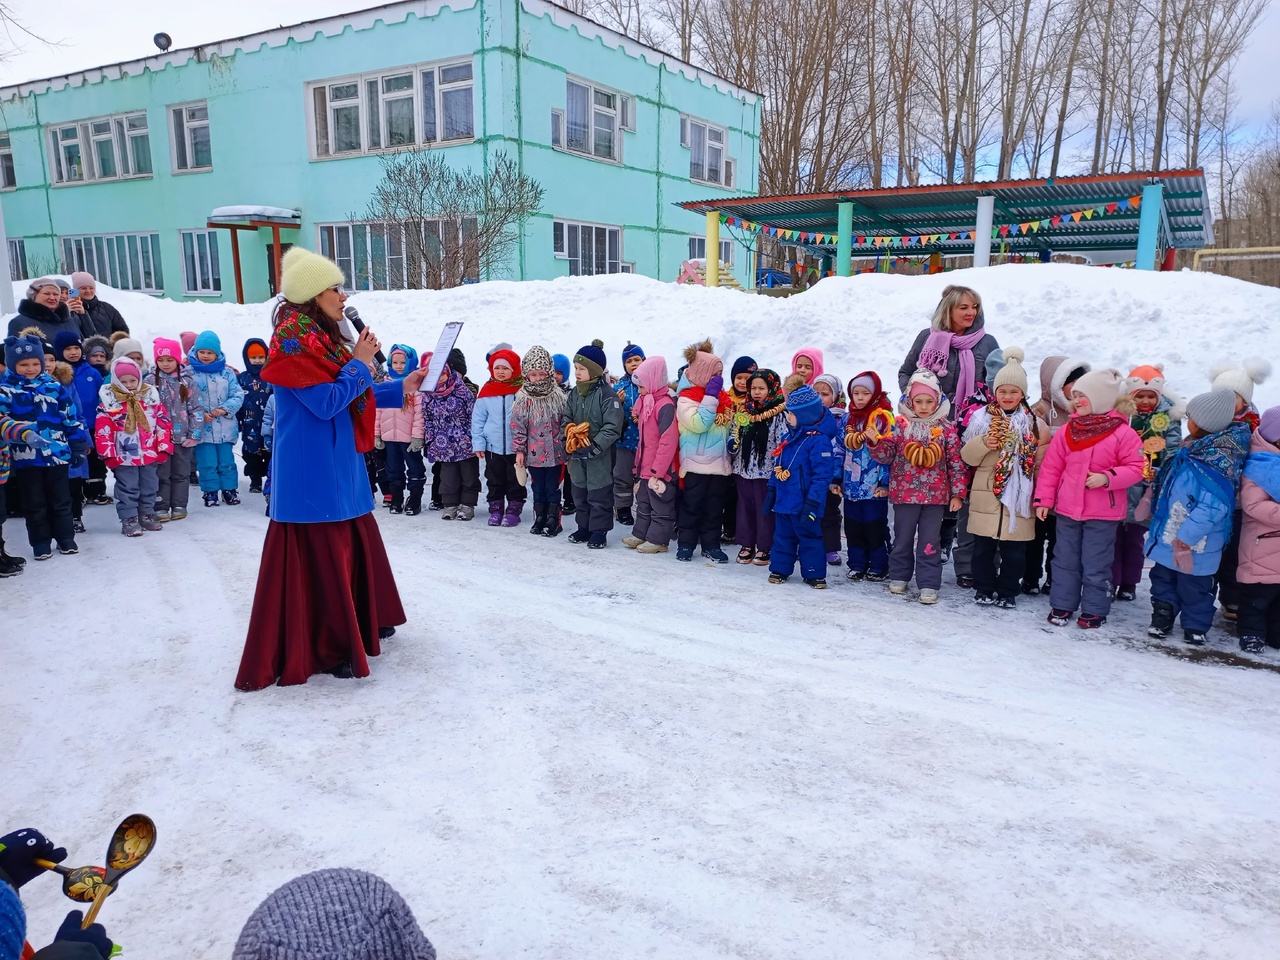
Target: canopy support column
844, 238
235, 258
713, 248
1149, 225
982, 232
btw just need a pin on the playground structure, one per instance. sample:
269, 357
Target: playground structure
1113, 219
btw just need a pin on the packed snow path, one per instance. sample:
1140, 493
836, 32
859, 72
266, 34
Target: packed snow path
572, 753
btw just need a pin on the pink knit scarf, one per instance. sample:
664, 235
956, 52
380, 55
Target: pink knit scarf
937, 350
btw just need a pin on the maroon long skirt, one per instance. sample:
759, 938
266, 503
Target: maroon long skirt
324, 590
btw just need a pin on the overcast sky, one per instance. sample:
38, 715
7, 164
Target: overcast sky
90, 34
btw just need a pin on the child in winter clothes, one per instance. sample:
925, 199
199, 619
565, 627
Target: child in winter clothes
491, 438
11, 432
1258, 571
1241, 380
831, 392
593, 425
1058, 376
564, 380
1089, 465
704, 412
1000, 441
399, 431
176, 386
797, 490
865, 480
97, 353
69, 349
219, 394
446, 427
807, 363
1158, 420
740, 381
1195, 495
624, 451
126, 346
97, 350
40, 469
926, 479
537, 438
133, 435
249, 416
656, 486
758, 428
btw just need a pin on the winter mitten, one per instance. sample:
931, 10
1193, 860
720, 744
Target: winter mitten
1142, 512
95, 935
37, 442
770, 499
379, 443
416, 445
714, 386
589, 452
813, 510
1182, 558
19, 851
657, 486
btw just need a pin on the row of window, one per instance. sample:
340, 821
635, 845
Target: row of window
423, 105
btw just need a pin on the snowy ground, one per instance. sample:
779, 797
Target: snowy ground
573, 754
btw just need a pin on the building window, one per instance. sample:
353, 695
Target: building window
387, 256
17, 259
405, 107
201, 276
191, 149
698, 250
590, 248
7, 179
707, 160
128, 261
104, 148
593, 120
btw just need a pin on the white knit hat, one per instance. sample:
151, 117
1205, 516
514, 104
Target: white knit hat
1102, 387
1241, 379
305, 275
1012, 374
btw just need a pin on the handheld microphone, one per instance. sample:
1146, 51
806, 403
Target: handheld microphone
354, 316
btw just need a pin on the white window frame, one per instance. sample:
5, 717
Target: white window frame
698, 250
8, 176
127, 261
182, 128
428, 113
571, 235
393, 273
621, 115
122, 133
700, 155
17, 258
203, 261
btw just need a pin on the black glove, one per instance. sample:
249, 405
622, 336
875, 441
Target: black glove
95, 936
78, 459
19, 850
586, 453
770, 499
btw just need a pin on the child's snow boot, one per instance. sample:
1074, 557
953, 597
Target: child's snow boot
466, 512
413, 506
5, 558
597, 541
150, 523
495, 513
580, 535
130, 527
211, 499
539, 519
1162, 616
397, 499
231, 498
625, 517
512, 517
1195, 637
178, 513
553, 528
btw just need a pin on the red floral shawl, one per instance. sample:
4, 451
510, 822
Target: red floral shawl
302, 355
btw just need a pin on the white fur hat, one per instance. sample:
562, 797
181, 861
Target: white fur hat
1241, 379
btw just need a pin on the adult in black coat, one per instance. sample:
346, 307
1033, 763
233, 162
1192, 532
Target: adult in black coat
44, 308
102, 317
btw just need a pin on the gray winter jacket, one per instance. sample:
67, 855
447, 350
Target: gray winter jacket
602, 410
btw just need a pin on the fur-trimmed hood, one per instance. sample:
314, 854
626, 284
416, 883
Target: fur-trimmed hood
97, 340
63, 372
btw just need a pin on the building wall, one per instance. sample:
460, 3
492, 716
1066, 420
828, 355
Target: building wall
258, 113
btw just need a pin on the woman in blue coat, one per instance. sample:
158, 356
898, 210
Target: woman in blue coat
326, 595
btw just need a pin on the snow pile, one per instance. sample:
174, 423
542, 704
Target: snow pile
1120, 318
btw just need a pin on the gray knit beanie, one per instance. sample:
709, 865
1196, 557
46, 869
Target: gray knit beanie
1213, 411
335, 914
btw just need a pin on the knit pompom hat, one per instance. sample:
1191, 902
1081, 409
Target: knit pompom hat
1269, 425
631, 350
164, 347
13, 922
17, 349
592, 357
537, 358
742, 365
1146, 377
336, 914
125, 346
63, 339
207, 340
806, 405
1241, 379
1012, 374
702, 362
305, 275
1213, 411
1103, 388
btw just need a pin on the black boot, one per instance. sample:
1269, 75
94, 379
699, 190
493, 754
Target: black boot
553, 528
625, 518
397, 499
413, 506
1162, 616
539, 519
5, 558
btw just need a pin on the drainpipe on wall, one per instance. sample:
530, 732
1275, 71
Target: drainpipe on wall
6, 287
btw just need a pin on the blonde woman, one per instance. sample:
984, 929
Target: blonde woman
954, 347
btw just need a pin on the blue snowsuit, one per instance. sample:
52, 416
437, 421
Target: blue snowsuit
799, 501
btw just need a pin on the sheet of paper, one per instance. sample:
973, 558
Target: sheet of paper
448, 337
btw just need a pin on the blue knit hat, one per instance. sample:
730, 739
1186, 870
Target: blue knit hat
593, 355
805, 403
13, 922
561, 364
207, 340
629, 351
63, 339
742, 365
23, 348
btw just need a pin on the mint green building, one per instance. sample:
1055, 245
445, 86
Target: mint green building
145, 172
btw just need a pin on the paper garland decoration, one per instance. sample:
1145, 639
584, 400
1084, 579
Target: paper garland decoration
925, 239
